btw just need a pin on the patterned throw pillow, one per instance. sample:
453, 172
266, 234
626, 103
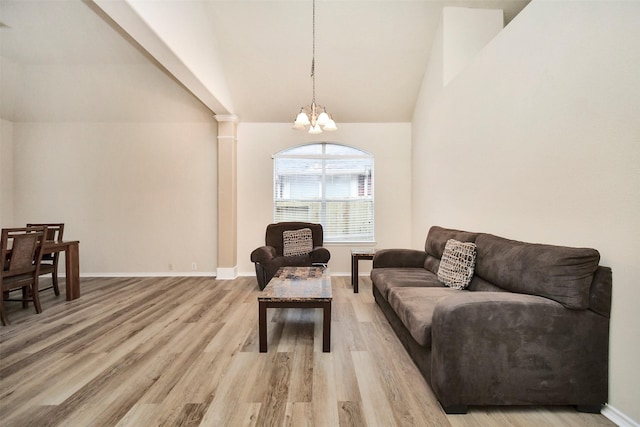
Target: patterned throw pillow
457, 264
297, 242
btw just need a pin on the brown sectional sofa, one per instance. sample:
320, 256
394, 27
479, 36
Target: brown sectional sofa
532, 327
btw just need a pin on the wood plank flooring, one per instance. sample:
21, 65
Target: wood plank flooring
184, 352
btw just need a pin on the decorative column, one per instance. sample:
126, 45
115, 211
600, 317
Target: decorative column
227, 197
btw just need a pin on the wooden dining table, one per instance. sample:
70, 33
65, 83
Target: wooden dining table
71, 251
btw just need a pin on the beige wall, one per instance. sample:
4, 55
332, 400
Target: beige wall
140, 197
6, 173
538, 140
113, 147
390, 143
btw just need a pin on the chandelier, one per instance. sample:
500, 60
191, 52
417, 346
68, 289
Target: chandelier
314, 115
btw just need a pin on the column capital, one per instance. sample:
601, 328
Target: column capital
226, 118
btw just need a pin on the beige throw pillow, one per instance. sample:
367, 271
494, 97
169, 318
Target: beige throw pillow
297, 242
457, 264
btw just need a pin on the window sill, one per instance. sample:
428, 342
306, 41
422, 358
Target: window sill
351, 243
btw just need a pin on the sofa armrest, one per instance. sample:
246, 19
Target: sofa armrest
320, 255
507, 348
263, 254
399, 258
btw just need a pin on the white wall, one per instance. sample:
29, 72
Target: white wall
390, 144
461, 35
466, 32
539, 140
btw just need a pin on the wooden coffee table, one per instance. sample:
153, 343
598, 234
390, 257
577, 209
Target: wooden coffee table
297, 287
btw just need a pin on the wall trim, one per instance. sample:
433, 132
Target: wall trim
227, 273
619, 418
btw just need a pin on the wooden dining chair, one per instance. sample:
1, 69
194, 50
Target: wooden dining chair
49, 263
20, 253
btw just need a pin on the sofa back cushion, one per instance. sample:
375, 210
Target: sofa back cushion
478, 284
560, 273
437, 240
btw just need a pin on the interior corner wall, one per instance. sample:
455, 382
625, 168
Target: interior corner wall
466, 32
537, 140
390, 144
190, 54
462, 33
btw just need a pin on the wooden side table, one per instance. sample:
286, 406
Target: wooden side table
357, 255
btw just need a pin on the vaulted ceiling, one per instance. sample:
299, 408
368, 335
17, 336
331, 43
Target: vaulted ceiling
370, 54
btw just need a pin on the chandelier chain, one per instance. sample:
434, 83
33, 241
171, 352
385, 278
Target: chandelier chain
313, 115
313, 50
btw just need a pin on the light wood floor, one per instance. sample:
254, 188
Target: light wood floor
184, 352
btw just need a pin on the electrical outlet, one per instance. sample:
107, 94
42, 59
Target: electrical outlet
194, 266
170, 267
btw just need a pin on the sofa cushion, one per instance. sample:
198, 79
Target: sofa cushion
438, 236
457, 264
560, 273
388, 278
414, 307
297, 242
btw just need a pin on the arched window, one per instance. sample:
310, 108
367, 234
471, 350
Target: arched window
326, 183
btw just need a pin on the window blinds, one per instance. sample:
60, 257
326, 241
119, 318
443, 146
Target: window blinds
329, 184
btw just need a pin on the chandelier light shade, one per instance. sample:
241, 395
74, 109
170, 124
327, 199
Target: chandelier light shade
314, 116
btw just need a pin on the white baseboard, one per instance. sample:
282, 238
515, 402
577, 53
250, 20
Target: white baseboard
227, 273
221, 274
147, 274
619, 418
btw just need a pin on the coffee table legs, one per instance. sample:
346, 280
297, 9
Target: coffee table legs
326, 327
262, 325
262, 321
354, 273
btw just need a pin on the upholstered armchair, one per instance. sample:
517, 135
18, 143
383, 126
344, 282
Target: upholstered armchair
291, 244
